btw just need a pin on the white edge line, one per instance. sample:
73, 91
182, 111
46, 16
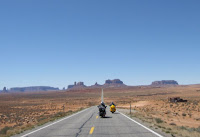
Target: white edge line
54, 123
141, 125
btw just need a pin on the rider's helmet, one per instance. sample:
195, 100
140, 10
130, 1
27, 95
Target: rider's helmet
103, 104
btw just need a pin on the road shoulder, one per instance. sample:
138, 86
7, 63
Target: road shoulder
148, 125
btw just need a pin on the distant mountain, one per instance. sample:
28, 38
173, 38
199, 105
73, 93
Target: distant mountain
4, 90
108, 84
96, 85
78, 85
33, 88
164, 83
114, 83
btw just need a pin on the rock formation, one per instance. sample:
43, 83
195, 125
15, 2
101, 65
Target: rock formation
114, 83
96, 85
77, 85
34, 88
80, 84
4, 90
70, 86
164, 82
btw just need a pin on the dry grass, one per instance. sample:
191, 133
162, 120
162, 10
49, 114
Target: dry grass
22, 111
178, 119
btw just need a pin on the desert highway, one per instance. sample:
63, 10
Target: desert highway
87, 123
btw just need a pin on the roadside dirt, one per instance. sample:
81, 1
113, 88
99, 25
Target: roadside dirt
22, 111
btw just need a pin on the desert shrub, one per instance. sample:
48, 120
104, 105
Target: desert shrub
167, 132
198, 129
184, 114
4, 130
191, 129
60, 114
29, 126
173, 135
173, 124
195, 103
41, 119
70, 111
158, 120
169, 129
183, 128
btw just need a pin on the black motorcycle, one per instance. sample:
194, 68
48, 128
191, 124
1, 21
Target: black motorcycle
102, 110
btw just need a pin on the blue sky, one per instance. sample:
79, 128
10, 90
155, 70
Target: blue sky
58, 42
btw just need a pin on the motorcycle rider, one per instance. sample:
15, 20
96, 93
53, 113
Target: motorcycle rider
112, 104
102, 109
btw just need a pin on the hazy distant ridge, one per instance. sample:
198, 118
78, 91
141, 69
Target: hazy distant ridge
33, 88
164, 82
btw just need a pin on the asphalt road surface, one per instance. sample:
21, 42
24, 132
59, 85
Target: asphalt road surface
87, 123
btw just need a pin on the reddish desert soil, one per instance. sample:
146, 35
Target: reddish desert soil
21, 110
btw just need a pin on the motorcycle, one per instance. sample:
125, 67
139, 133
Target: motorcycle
102, 110
112, 107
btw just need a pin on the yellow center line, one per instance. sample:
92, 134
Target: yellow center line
91, 130
97, 117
